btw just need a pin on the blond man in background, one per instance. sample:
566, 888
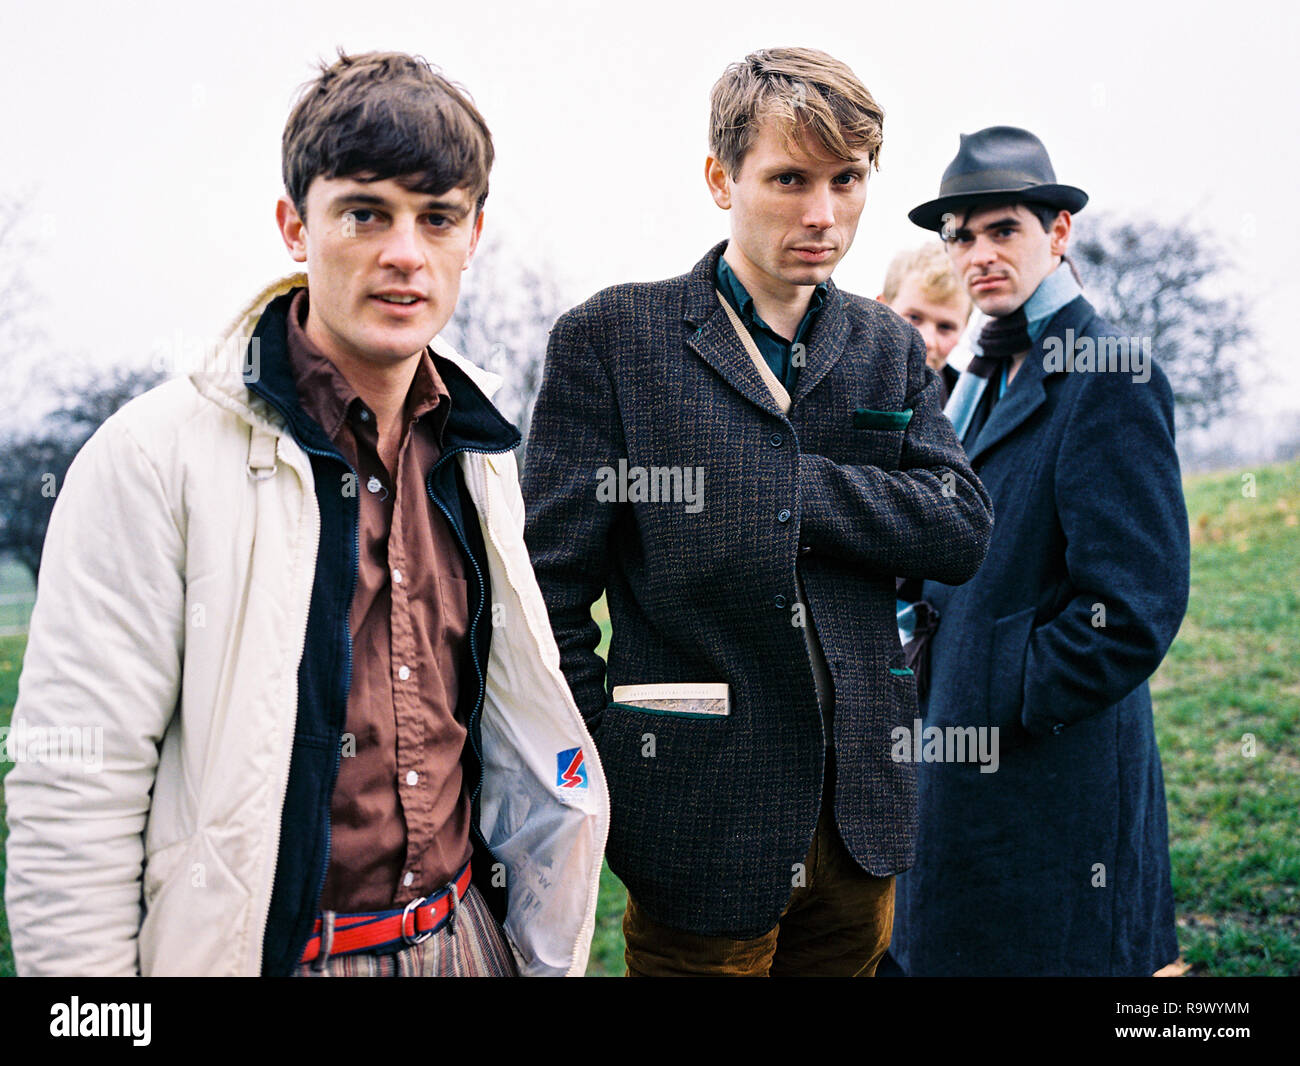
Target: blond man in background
921, 287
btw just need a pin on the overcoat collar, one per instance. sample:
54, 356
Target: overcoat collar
715, 341
1026, 393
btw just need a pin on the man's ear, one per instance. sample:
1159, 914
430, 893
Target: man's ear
473, 239
715, 176
293, 231
1060, 233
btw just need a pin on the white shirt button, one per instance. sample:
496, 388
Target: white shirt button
403, 672
408, 880
375, 485
397, 577
412, 777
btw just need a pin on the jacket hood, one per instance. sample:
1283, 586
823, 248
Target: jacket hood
221, 377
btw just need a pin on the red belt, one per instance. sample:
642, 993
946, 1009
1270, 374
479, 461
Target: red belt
412, 924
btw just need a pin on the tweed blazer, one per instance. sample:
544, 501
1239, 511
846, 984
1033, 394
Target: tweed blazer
862, 482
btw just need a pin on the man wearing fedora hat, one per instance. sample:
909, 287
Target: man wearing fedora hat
1058, 862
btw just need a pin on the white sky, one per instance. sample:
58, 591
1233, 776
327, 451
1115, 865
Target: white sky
149, 134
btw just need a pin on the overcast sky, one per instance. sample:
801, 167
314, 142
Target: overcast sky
148, 134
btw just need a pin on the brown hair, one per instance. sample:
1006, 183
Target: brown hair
385, 115
931, 265
804, 90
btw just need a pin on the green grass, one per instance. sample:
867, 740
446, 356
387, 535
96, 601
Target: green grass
1234, 820
15, 584
607, 945
1232, 675
11, 654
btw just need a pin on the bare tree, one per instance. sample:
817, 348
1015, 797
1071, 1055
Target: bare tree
1170, 283
20, 338
37, 460
503, 318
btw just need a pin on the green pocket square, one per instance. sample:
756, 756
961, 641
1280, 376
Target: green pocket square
865, 418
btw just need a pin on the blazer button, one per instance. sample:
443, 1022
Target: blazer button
1058, 729
779, 601
783, 515
805, 550
775, 440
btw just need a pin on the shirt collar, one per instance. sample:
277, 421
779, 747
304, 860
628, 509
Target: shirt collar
1054, 292
326, 394
729, 283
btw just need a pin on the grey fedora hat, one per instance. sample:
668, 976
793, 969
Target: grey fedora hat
996, 164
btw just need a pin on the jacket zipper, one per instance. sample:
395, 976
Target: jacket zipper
478, 667
302, 645
347, 677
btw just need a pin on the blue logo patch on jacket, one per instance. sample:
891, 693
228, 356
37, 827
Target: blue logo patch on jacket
571, 770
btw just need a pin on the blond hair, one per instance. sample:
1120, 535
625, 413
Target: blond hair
930, 264
805, 91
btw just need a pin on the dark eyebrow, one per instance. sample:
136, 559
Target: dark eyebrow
964, 232
363, 199
774, 171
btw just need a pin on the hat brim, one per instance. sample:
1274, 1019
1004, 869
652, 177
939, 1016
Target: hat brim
1064, 197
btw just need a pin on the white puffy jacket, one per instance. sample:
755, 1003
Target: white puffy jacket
171, 615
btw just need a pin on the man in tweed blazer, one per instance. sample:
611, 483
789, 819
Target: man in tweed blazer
743, 459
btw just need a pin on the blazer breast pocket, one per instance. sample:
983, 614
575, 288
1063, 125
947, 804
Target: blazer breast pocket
706, 701
866, 418
876, 438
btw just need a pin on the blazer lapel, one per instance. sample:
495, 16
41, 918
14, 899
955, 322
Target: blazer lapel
827, 341
1026, 393
715, 340
1024, 396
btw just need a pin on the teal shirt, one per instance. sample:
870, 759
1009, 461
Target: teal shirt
774, 348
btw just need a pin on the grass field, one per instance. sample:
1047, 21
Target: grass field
16, 594
11, 653
1233, 677
1227, 705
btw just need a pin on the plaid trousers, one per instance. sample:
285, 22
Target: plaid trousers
471, 945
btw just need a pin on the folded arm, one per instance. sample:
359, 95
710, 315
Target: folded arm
929, 519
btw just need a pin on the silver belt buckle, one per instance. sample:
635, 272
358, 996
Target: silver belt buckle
409, 909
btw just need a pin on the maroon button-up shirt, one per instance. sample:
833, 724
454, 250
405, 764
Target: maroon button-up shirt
399, 814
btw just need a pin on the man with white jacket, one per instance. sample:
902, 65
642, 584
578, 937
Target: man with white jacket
293, 599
